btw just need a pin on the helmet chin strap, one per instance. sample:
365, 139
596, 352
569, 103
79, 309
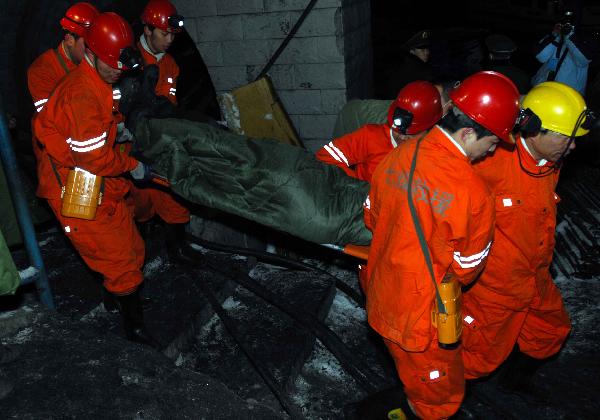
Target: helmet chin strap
558, 163
545, 172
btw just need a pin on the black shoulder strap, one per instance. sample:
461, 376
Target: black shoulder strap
560, 61
61, 61
419, 230
55, 172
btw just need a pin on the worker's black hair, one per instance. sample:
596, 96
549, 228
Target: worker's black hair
455, 119
74, 35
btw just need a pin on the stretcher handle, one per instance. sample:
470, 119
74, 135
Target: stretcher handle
358, 251
160, 180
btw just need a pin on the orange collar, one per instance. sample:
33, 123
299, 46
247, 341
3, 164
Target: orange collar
441, 137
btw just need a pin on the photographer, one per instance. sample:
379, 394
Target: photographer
563, 61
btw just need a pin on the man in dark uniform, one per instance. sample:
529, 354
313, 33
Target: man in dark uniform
409, 64
500, 48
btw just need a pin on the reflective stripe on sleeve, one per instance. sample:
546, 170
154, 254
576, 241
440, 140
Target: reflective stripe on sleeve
367, 203
472, 260
87, 145
40, 104
336, 153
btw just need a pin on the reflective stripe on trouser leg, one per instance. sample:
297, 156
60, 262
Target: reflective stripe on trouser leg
433, 379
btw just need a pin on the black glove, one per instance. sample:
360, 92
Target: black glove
130, 87
135, 116
148, 82
142, 173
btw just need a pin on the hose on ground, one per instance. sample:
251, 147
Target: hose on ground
282, 261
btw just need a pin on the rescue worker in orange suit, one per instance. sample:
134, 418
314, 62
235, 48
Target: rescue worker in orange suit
456, 211
161, 24
416, 109
515, 300
49, 68
77, 133
45, 72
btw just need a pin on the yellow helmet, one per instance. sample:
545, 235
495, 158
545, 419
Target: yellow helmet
559, 107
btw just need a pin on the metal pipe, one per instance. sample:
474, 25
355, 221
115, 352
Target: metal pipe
9, 161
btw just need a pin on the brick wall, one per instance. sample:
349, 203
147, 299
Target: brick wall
327, 62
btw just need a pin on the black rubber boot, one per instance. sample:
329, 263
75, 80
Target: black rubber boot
518, 376
178, 249
132, 314
110, 304
387, 404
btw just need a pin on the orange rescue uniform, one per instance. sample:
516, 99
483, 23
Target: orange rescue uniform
456, 211
42, 77
45, 72
149, 201
168, 70
515, 299
76, 129
359, 152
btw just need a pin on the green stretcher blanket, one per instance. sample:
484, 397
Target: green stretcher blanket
359, 112
8, 220
277, 185
9, 277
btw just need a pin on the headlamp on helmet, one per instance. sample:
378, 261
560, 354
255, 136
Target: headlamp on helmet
176, 22
401, 120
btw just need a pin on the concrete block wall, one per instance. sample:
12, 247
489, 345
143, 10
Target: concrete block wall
327, 63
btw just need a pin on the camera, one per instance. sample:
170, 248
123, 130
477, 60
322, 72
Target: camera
566, 29
566, 25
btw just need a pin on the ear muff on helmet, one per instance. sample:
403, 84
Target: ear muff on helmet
591, 122
401, 120
528, 123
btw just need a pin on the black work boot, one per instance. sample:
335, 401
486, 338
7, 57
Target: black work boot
387, 404
130, 308
178, 249
518, 376
110, 304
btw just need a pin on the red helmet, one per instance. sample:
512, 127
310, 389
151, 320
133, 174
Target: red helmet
162, 15
108, 36
417, 108
79, 17
491, 99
